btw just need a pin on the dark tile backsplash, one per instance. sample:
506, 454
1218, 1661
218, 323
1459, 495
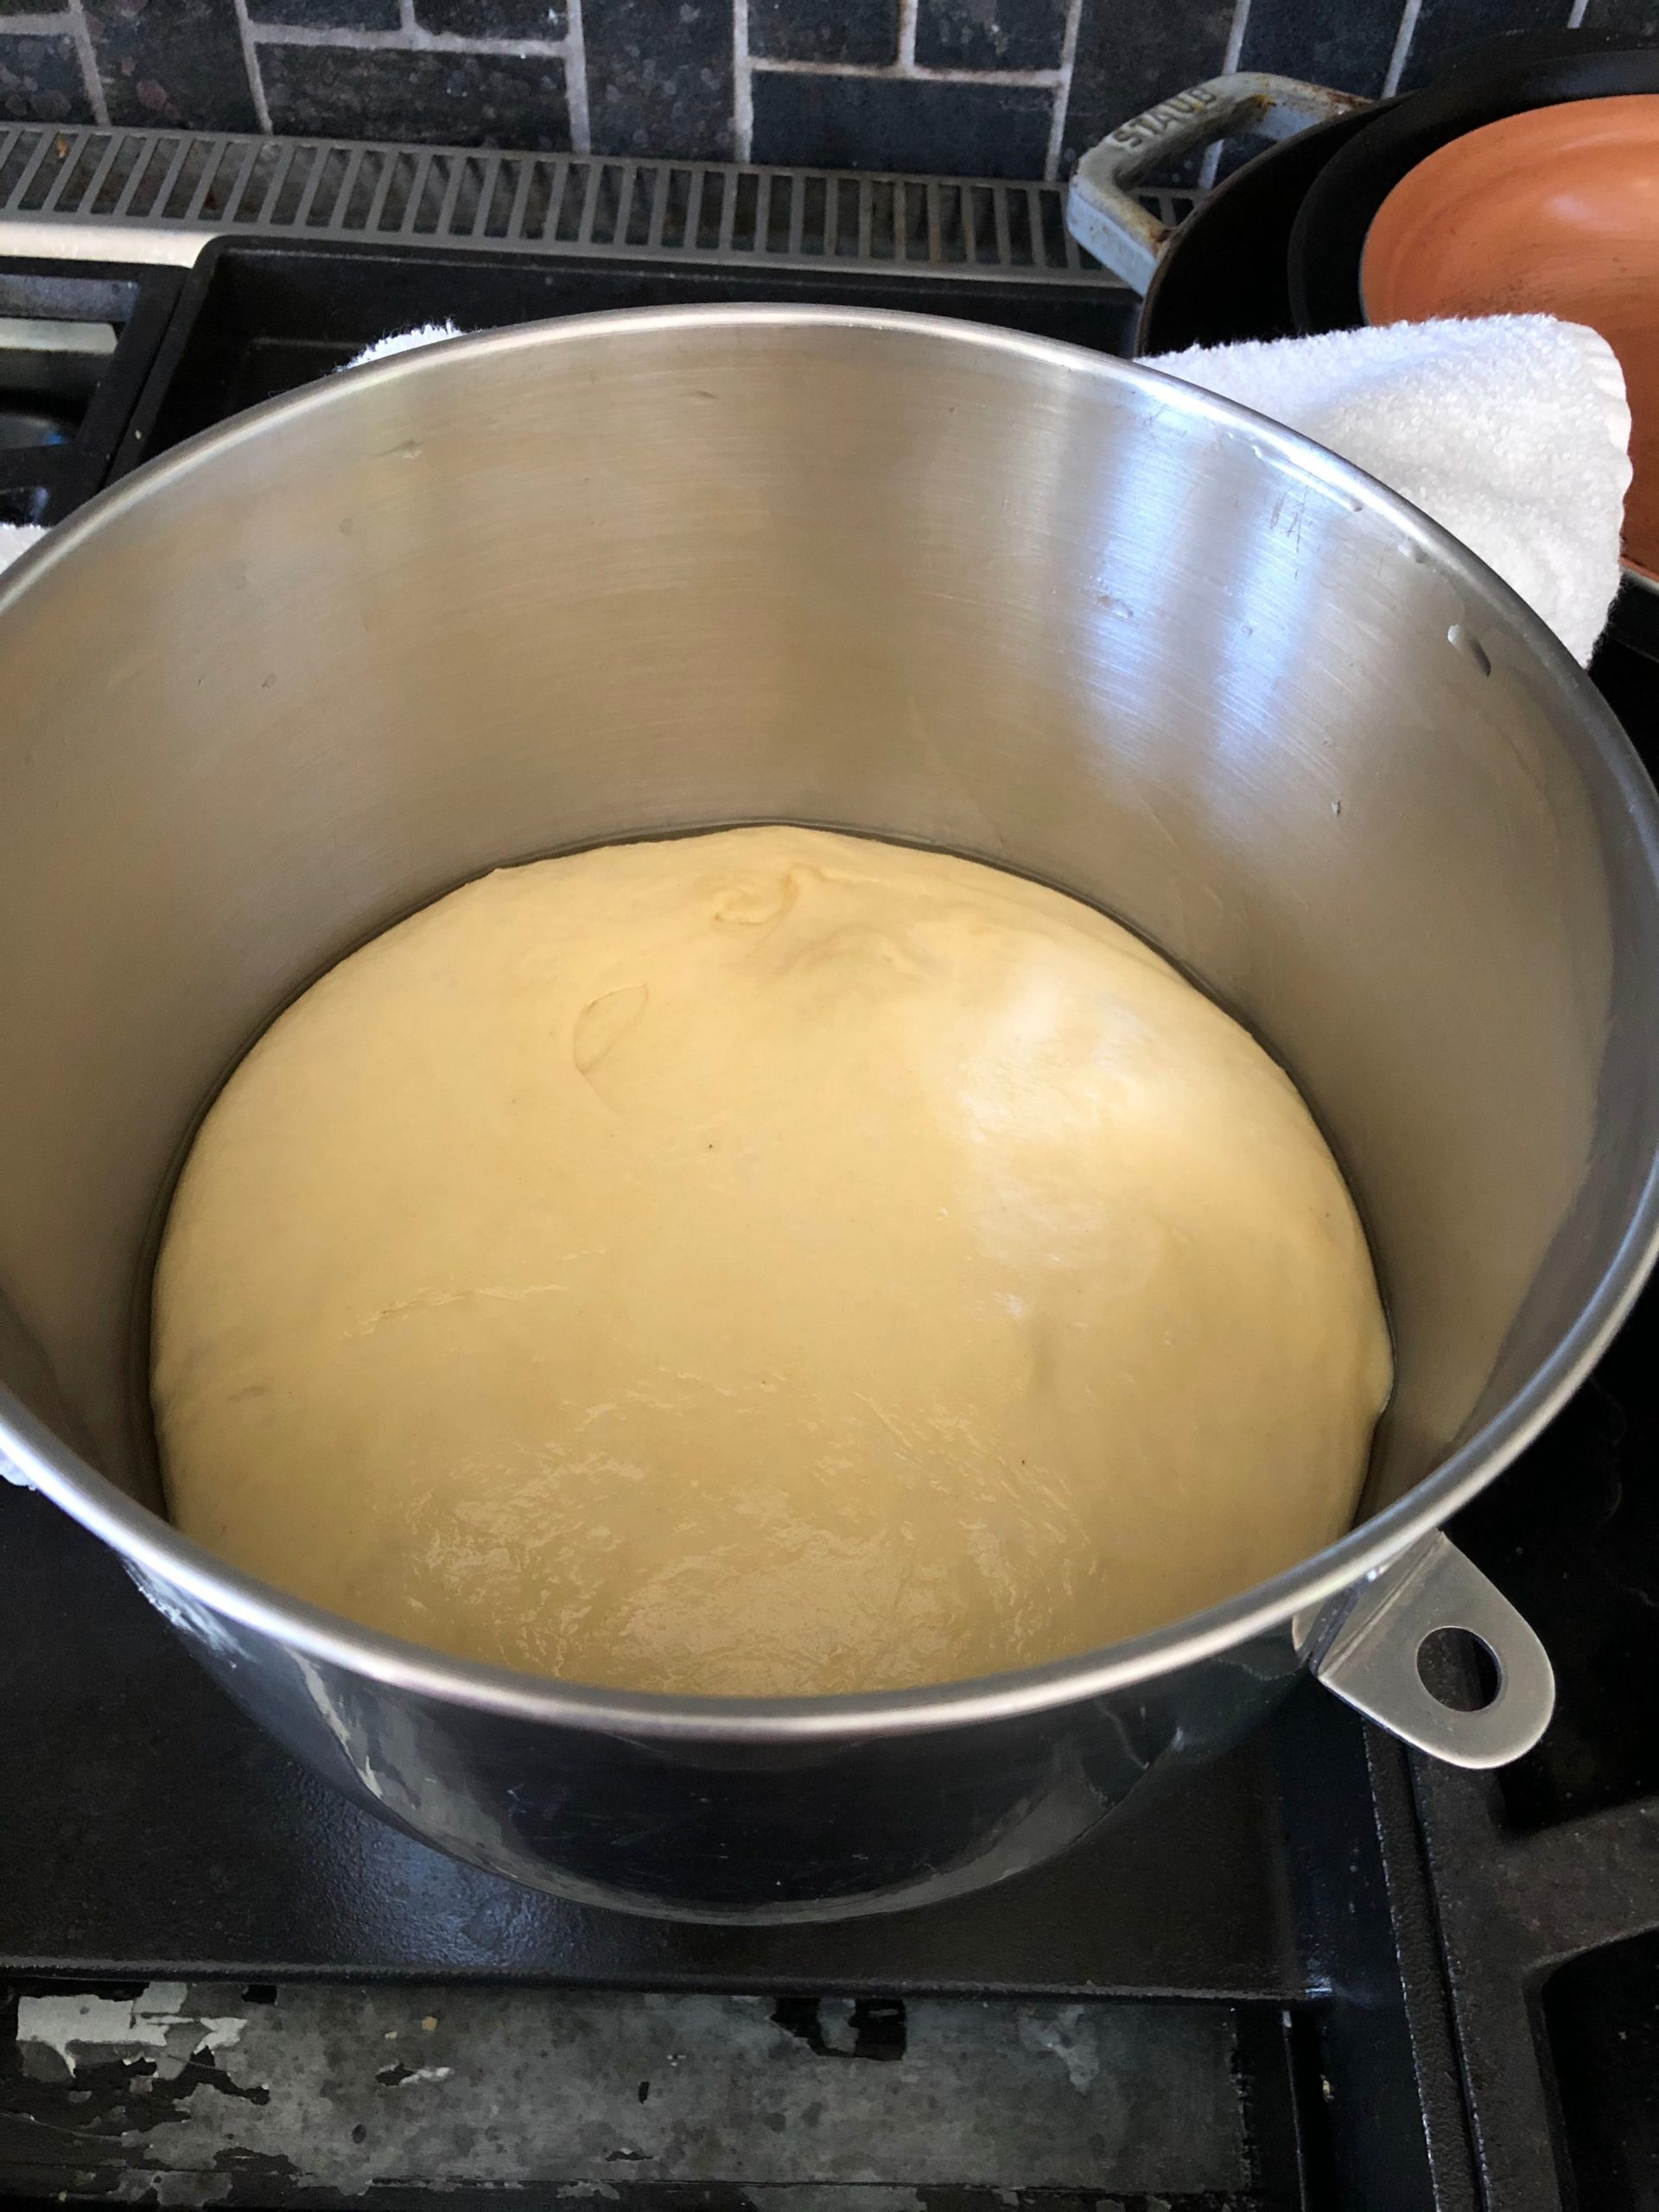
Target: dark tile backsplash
1445, 27
528, 19
825, 30
160, 61
329, 14
659, 77
1637, 17
991, 33
884, 122
494, 99
1127, 58
1351, 45
986, 87
41, 80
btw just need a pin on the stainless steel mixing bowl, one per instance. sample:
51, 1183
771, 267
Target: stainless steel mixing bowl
640, 572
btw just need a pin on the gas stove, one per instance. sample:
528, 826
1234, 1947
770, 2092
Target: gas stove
1317, 1974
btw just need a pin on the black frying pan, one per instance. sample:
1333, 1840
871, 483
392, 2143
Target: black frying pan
1224, 275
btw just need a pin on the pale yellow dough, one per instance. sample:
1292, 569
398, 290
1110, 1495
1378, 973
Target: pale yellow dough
762, 1263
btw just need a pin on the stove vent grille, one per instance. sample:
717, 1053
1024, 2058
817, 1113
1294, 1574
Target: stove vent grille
197, 185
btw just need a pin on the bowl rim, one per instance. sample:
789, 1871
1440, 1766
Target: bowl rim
197, 1590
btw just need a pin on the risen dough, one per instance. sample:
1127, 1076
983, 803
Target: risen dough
762, 1263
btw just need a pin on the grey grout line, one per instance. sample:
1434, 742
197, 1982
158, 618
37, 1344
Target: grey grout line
49, 22
918, 73
1575, 14
908, 11
1401, 55
1235, 47
80, 31
1063, 91
742, 83
575, 81
411, 41
1236, 35
406, 18
251, 63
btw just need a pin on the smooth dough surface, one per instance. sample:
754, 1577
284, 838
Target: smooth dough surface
764, 1263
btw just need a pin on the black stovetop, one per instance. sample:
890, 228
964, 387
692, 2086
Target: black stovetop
1444, 1988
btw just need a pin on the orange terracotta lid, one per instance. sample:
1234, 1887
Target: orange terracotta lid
1554, 212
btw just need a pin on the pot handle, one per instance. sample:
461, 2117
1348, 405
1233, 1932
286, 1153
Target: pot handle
1108, 222
1370, 1657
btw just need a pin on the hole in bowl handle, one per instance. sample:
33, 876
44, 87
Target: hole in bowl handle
1370, 1657
1101, 213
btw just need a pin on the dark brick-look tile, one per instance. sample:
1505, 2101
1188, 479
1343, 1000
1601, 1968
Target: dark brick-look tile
1446, 27
40, 80
660, 77
537, 19
1131, 56
989, 33
1639, 17
830, 30
172, 61
328, 15
454, 99
884, 122
1348, 46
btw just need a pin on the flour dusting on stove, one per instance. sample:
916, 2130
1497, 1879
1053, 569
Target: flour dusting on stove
1065, 2033
158, 2020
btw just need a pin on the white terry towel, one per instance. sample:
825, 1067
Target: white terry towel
430, 333
1512, 431
17, 538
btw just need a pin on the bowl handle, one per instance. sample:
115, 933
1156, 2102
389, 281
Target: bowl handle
1102, 214
1367, 1646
